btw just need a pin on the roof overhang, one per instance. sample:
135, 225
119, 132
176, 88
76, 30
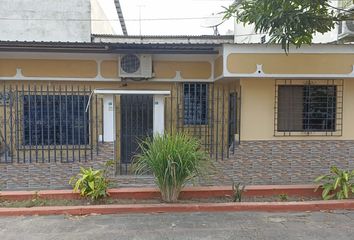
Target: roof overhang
136, 92
115, 48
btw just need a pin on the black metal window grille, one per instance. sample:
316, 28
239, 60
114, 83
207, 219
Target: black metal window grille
195, 99
214, 135
309, 108
66, 123
49, 123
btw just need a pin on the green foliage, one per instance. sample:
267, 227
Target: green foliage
173, 160
237, 190
92, 183
339, 184
283, 197
288, 22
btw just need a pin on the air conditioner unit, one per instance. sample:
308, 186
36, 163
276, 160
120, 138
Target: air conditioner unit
346, 30
135, 66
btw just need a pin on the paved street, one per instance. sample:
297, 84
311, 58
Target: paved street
337, 225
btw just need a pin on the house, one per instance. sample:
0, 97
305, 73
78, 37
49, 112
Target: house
263, 116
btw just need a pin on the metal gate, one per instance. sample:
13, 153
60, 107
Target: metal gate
136, 124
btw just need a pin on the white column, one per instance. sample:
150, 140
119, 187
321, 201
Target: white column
108, 118
159, 114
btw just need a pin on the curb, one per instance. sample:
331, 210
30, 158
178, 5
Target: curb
187, 193
169, 208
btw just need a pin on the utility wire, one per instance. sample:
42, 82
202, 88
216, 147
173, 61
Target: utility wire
104, 20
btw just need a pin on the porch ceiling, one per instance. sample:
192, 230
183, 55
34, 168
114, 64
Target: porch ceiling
123, 92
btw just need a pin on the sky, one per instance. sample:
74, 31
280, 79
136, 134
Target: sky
165, 17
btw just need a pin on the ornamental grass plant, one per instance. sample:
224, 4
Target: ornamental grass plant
173, 160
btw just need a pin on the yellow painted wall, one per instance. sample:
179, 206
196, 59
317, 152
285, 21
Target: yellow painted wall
257, 111
48, 68
67, 68
109, 69
189, 70
292, 63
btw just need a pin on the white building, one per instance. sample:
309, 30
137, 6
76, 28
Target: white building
58, 20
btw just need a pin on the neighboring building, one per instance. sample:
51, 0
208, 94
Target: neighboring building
246, 34
264, 117
58, 21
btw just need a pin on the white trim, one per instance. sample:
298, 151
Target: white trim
122, 92
19, 77
272, 48
108, 118
159, 114
293, 76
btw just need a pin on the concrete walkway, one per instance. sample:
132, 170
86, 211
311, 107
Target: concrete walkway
321, 226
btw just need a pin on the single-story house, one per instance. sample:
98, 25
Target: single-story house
263, 116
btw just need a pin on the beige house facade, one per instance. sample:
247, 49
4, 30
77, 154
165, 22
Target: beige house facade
263, 116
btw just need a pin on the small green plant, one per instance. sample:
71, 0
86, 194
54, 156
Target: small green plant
338, 184
283, 197
92, 183
173, 160
35, 201
237, 192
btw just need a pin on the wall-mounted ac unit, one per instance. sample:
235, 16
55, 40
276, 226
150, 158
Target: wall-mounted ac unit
346, 28
135, 66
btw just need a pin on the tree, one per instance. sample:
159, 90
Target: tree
288, 22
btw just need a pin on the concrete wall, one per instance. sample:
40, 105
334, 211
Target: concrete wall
45, 20
101, 11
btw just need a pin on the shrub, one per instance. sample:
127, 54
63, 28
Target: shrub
91, 183
283, 197
338, 184
173, 160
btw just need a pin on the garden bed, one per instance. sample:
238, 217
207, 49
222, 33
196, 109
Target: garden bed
37, 202
147, 200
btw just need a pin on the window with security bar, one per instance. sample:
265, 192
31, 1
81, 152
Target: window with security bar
195, 102
55, 119
308, 108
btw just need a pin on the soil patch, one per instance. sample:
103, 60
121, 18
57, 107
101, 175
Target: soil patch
37, 202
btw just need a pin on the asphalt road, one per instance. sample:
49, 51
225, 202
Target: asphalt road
243, 225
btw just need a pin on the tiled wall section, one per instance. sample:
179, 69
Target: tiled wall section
285, 162
56, 175
254, 162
